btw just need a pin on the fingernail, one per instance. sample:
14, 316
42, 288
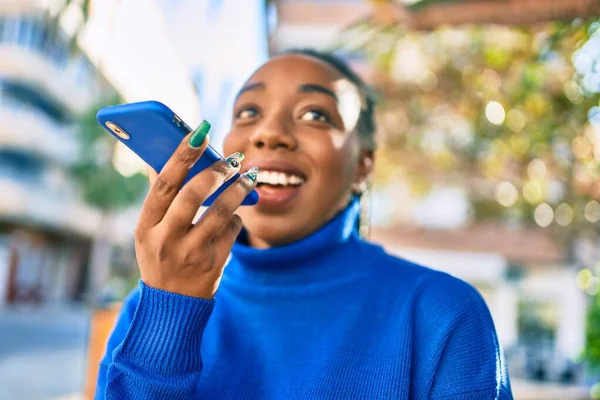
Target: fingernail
235, 160
252, 174
198, 136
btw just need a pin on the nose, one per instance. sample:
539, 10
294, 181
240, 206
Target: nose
274, 133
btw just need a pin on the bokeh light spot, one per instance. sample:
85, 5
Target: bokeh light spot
592, 211
564, 214
506, 194
537, 169
515, 120
583, 278
533, 192
495, 113
543, 215
594, 286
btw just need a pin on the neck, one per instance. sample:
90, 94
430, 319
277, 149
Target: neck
256, 242
323, 255
247, 237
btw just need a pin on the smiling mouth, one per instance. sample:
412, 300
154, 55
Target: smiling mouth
277, 190
277, 179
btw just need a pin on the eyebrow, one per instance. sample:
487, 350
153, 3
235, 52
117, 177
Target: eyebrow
250, 87
308, 88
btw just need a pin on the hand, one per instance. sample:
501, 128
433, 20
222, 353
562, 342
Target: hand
173, 253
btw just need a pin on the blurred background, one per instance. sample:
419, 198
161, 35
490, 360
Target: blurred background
488, 164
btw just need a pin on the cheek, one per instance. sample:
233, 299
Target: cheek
340, 143
233, 143
336, 159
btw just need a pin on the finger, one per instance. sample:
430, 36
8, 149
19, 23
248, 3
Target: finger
220, 212
185, 207
167, 183
224, 240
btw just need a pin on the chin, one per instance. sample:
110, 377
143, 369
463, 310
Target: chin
270, 230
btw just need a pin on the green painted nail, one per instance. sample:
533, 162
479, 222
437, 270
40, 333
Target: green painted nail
235, 160
252, 174
199, 135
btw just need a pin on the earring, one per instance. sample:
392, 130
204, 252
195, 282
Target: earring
365, 214
361, 189
358, 188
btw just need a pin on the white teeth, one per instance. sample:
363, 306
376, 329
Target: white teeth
279, 178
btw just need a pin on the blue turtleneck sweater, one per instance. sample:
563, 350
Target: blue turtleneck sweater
328, 317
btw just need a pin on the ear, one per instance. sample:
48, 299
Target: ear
364, 171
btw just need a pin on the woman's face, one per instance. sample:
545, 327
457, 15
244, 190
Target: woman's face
295, 119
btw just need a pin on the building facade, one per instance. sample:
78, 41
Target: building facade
45, 229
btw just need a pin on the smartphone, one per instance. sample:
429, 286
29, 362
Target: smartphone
153, 132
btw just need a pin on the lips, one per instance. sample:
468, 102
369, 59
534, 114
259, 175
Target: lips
279, 183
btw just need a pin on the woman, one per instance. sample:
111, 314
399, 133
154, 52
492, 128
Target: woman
304, 309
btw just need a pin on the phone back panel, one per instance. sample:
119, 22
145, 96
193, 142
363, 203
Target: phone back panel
155, 132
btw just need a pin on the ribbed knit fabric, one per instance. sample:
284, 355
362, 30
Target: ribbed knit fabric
329, 317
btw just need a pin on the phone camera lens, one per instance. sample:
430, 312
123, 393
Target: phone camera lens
117, 130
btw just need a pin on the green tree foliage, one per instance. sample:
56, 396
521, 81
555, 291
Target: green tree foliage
592, 349
511, 114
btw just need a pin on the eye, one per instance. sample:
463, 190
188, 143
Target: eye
315, 115
246, 113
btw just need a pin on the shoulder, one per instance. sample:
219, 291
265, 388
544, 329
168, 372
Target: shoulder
432, 292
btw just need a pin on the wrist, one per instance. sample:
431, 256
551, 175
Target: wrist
196, 289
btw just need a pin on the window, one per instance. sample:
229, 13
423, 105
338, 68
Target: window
35, 33
11, 30
25, 32
538, 320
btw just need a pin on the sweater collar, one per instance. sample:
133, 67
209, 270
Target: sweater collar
321, 256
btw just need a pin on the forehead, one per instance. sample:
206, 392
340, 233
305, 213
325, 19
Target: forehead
296, 68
